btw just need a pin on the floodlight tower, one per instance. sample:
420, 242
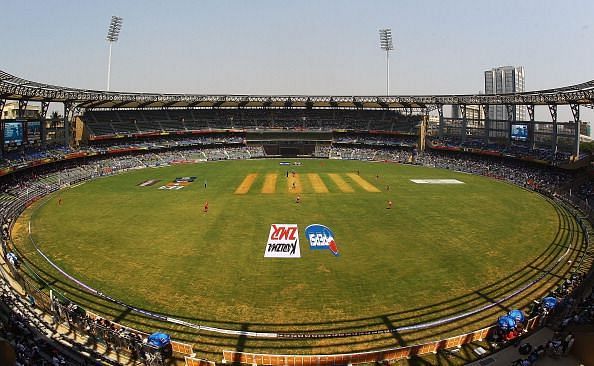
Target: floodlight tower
386, 45
113, 33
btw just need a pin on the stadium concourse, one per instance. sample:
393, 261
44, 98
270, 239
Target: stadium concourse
57, 332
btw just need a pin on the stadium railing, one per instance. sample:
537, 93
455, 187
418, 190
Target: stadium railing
192, 361
386, 355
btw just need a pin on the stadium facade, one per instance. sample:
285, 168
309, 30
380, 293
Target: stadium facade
123, 115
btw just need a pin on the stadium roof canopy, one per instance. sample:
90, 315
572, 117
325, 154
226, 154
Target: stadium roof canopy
15, 88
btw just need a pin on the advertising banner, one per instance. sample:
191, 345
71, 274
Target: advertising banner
283, 242
321, 237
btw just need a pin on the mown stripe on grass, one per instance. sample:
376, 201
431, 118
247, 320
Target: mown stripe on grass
245, 186
269, 183
317, 183
294, 184
363, 183
340, 183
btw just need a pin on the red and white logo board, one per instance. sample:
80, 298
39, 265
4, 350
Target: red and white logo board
283, 242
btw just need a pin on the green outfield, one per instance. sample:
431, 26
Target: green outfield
440, 251
159, 250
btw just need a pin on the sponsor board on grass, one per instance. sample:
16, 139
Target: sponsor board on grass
148, 183
321, 237
178, 183
436, 181
283, 242
184, 179
296, 163
172, 186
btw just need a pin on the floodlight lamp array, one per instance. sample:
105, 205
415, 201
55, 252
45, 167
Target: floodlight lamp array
386, 39
113, 32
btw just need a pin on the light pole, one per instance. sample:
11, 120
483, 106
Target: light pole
386, 45
113, 33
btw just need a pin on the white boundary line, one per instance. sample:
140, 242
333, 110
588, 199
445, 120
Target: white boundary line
288, 335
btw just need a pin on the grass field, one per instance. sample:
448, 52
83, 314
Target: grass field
157, 249
440, 251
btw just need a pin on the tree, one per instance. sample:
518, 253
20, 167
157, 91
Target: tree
55, 119
587, 147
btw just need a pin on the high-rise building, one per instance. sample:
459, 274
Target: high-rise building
475, 117
503, 80
473, 112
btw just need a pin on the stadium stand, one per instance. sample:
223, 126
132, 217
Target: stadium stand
114, 121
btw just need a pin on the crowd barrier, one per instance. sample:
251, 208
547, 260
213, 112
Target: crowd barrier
391, 354
192, 361
182, 348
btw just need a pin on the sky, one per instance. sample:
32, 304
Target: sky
300, 47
